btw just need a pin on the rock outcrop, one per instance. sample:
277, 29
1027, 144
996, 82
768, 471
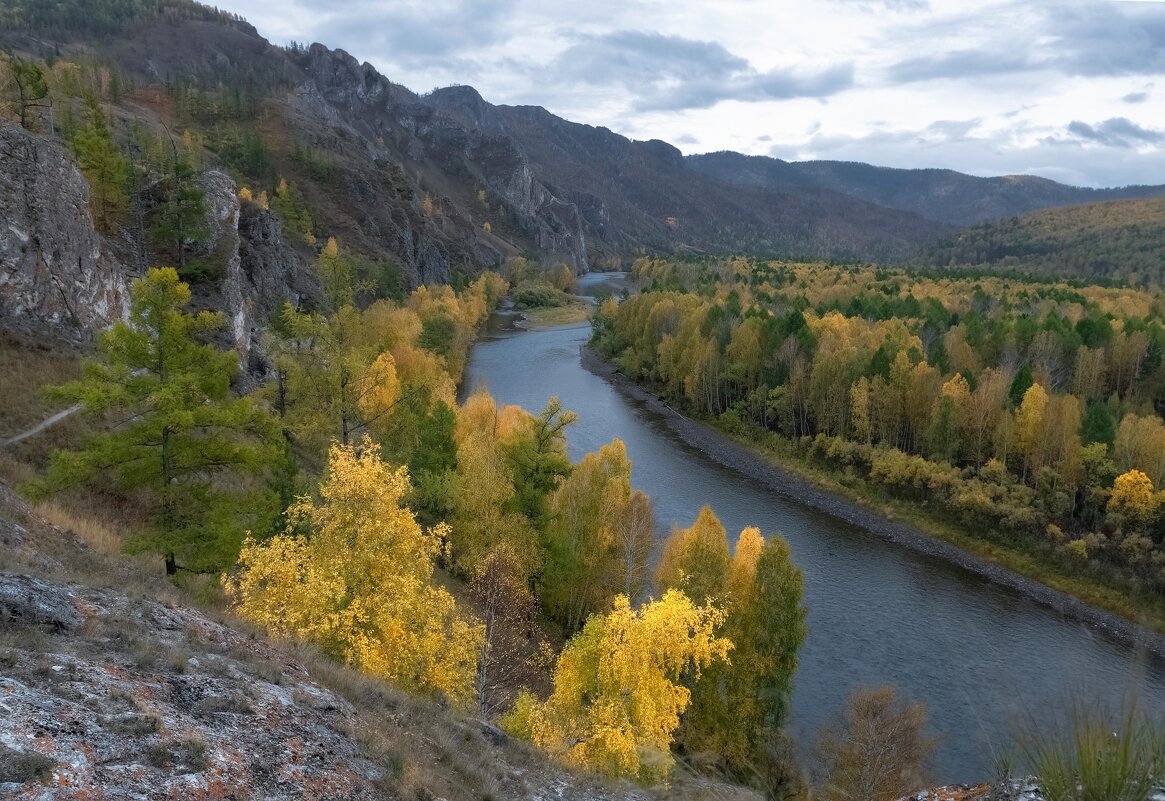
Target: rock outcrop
58, 278
259, 271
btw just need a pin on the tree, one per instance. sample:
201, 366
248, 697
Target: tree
105, 167
28, 89
695, 559
511, 653
353, 573
1030, 427
738, 707
583, 572
879, 751
618, 686
1132, 498
1098, 425
180, 438
539, 460
180, 214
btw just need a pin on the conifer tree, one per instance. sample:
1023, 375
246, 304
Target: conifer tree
179, 439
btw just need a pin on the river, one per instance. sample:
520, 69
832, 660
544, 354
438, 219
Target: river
988, 662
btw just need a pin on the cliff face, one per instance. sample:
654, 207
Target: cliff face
259, 271
58, 277
61, 280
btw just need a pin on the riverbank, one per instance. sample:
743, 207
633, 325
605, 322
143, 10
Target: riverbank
838, 502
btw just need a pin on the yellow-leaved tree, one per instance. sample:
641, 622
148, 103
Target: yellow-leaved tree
358, 581
1132, 498
619, 687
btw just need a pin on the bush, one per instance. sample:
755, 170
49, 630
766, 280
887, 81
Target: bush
20, 767
531, 295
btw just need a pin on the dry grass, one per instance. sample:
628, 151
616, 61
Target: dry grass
27, 367
550, 316
90, 527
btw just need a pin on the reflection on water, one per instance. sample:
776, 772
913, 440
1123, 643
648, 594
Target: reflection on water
986, 660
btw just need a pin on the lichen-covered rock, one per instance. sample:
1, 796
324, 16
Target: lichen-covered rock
158, 702
58, 278
27, 601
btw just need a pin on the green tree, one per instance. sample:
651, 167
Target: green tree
738, 707
180, 439
1098, 425
695, 559
179, 216
105, 167
27, 89
1021, 384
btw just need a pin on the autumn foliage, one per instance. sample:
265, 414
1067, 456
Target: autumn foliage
357, 581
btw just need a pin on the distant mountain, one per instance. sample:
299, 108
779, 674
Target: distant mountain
633, 196
1121, 239
941, 195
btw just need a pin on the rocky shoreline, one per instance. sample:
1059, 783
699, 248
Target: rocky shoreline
723, 450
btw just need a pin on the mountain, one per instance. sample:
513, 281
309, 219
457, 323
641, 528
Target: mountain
1120, 240
439, 185
941, 195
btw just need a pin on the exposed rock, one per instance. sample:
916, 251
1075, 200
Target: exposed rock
58, 278
27, 601
160, 702
259, 271
1014, 790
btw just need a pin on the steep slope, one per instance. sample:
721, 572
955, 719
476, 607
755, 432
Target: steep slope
1120, 240
941, 195
439, 185
113, 686
635, 194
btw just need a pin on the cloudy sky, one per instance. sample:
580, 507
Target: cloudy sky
1071, 90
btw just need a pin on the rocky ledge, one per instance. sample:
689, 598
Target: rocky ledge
104, 696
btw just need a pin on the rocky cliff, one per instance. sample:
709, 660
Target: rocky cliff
58, 277
61, 280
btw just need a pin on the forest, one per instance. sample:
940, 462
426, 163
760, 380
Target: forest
1120, 240
1027, 413
522, 588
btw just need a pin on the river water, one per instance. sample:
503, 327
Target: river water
988, 662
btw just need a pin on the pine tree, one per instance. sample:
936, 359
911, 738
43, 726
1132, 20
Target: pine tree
180, 438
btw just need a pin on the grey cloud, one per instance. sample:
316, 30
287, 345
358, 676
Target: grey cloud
426, 34
959, 64
1115, 132
1136, 97
1109, 38
1089, 38
671, 73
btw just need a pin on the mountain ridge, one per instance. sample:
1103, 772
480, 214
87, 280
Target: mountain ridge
939, 194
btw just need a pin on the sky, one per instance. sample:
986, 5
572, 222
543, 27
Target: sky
1071, 90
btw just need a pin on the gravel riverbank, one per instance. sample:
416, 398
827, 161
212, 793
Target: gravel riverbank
723, 450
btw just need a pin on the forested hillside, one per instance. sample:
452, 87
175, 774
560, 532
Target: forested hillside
941, 195
1028, 413
1121, 240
